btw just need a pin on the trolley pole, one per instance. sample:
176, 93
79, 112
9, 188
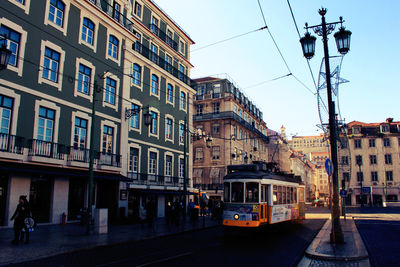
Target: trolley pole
185, 169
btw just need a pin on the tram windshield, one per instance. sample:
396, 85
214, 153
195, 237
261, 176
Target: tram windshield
227, 192
252, 192
237, 192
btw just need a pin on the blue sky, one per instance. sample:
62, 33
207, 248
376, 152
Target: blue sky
371, 65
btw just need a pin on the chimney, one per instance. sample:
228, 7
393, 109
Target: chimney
389, 120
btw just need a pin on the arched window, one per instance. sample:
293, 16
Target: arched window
136, 74
154, 84
113, 45
87, 31
56, 12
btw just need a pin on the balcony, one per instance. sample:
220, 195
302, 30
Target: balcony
45, 149
115, 14
229, 115
11, 143
108, 159
163, 36
79, 155
156, 180
147, 53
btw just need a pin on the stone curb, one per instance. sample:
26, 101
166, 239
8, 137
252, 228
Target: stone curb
322, 239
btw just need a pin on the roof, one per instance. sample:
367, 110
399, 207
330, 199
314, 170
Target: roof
206, 79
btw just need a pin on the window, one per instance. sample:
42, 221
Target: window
181, 173
117, 11
133, 160
371, 142
168, 128
154, 53
181, 73
87, 31
237, 192
389, 175
170, 93
215, 152
215, 107
360, 177
136, 74
388, 159
252, 192
181, 47
168, 63
46, 124
170, 39
372, 159
113, 46
181, 133
357, 143
109, 93
386, 142
345, 160
199, 110
385, 128
168, 165
346, 176
154, 84
13, 44
108, 139
154, 25
51, 65
84, 82
80, 133
56, 12
199, 154
154, 123
227, 192
182, 101
138, 45
6, 105
240, 112
201, 90
153, 163
135, 119
374, 176
138, 9
216, 129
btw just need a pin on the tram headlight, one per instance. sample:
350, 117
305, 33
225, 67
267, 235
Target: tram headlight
236, 216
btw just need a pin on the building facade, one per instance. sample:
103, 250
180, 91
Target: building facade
121, 59
307, 144
373, 177
235, 126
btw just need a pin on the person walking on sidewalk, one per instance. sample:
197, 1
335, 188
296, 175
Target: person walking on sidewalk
21, 213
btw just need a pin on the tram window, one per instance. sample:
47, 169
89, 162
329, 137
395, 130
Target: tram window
291, 195
227, 192
252, 192
279, 194
263, 193
295, 195
237, 192
288, 195
275, 195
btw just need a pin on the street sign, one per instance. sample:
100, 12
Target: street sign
366, 190
329, 167
343, 193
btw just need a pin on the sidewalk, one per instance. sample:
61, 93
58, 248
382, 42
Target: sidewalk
322, 253
50, 240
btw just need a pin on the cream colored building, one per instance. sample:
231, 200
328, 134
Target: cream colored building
235, 125
377, 147
308, 144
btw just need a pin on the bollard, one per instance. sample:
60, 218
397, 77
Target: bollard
63, 218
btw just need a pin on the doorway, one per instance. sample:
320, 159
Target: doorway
39, 198
3, 197
76, 198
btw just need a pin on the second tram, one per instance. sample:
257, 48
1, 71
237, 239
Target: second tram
255, 196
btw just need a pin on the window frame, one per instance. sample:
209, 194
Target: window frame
88, 64
64, 26
169, 137
58, 49
135, 74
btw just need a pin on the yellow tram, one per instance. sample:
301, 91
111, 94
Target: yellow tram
254, 196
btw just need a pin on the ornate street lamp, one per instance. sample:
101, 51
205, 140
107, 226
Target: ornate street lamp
308, 44
148, 118
343, 44
4, 55
208, 141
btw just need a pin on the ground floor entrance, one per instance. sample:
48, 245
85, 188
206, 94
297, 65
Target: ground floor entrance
3, 197
39, 198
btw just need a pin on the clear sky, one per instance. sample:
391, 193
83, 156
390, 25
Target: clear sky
371, 66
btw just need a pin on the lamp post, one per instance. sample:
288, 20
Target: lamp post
343, 43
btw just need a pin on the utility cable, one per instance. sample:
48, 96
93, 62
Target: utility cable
258, 84
236, 36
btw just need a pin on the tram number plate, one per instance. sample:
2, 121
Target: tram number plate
255, 208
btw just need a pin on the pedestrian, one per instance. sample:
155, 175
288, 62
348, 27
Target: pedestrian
202, 207
21, 213
176, 212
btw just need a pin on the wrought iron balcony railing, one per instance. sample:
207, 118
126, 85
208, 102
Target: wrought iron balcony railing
79, 154
47, 149
163, 36
108, 159
154, 179
11, 143
147, 53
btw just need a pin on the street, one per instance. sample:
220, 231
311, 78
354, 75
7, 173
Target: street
279, 245
380, 231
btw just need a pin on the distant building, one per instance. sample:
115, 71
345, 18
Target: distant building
376, 147
237, 129
307, 144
